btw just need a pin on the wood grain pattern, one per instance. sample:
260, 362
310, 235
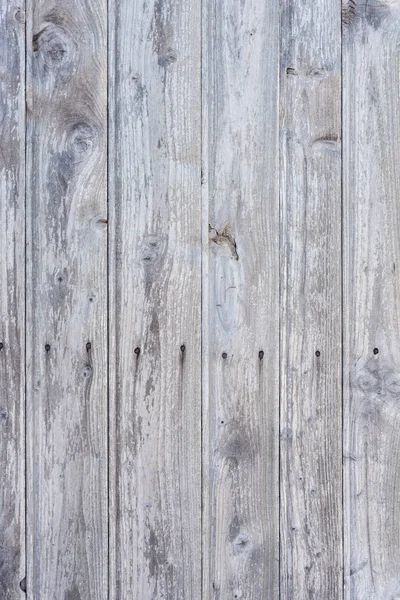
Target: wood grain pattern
67, 300
12, 300
371, 185
241, 337
199, 300
155, 301
311, 403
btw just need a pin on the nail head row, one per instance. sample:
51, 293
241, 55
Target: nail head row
260, 355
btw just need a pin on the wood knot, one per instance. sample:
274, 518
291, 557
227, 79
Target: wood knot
100, 222
152, 251
224, 238
166, 57
19, 16
51, 42
241, 543
81, 140
55, 50
367, 381
349, 8
318, 73
377, 382
379, 14
87, 372
392, 381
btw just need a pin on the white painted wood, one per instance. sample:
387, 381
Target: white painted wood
371, 186
311, 399
155, 300
67, 300
241, 294
12, 300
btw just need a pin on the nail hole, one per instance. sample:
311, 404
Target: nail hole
1, 345
88, 346
137, 351
47, 347
261, 354
376, 350
222, 422
224, 355
318, 353
59, 279
183, 348
90, 299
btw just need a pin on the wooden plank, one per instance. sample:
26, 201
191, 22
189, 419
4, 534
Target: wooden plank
67, 300
241, 337
371, 106
311, 403
12, 300
155, 300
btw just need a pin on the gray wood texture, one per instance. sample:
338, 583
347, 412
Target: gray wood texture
199, 300
66, 300
12, 300
371, 187
311, 404
155, 300
241, 290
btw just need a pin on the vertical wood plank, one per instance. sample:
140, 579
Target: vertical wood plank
241, 338
12, 299
371, 108
311, 403
67, 300
155, 300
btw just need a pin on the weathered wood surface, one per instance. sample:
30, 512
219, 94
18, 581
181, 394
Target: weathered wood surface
241, 337
311, 404
371, 185
12, 300
199, 300
155, 300
67, 300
